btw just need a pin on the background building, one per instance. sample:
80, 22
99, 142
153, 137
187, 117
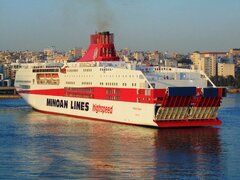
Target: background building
138, 56
76, 53
226, 69
170, 63
207, 61
49, 52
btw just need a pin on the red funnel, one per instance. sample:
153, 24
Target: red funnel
101, 48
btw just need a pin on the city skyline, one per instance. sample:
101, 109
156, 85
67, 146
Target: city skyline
177, 26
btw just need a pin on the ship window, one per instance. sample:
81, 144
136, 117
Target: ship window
49, 78
147, 92
79, 92
24, 86
115, 98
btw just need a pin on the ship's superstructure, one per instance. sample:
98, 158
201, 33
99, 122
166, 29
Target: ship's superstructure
100, 86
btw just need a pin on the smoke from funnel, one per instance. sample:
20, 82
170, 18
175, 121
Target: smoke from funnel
96, 12
103, 16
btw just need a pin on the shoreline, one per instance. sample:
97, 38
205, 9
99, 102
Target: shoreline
10, 96
233, 90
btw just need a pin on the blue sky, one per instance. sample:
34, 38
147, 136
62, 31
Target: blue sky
165, 25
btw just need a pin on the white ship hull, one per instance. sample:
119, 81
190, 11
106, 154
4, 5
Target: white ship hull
120, 112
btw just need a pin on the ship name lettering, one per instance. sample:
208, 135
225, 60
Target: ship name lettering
57, 103
83, 106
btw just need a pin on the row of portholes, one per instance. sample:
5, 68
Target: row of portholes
86, 83
118, 76
104, 76
87, 70
105, 69
109, 83
73, 76
116, 84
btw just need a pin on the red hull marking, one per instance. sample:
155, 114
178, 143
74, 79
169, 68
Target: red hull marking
100, 93
189, 123
130, 95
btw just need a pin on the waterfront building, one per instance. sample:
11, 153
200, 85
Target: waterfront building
195, 57
7, 71
1, 79
234, 51
138, 56
155, 56
225, 69
13, 69
76, 52
1, 68
125, 58
170, 63
49, 52
60, 59
207, 61
1, 76
126, 51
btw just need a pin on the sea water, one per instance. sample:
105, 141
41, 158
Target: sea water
35, 145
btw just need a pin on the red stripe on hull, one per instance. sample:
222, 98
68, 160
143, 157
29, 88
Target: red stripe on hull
188, 123
125, 94
146, 96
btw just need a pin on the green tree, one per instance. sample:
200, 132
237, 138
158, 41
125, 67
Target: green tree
230, 81
238, 81
221, 81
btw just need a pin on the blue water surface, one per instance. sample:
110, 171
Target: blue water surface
35, 145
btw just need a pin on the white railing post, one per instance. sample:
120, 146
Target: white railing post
208, 78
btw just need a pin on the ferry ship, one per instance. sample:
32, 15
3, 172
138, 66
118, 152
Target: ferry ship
100, 86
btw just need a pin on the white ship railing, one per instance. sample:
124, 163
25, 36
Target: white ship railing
202, 73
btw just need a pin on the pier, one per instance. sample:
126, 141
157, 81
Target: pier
8, 92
